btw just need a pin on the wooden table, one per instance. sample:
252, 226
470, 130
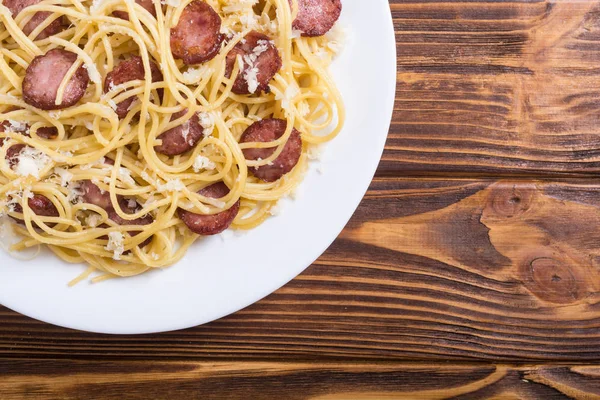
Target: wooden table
471, 269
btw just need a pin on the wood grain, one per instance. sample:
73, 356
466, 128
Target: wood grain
293, 381
428, 269
496, 87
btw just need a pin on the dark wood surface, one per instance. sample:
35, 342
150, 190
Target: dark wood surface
470, 270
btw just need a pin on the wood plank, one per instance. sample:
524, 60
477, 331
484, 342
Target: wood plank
496, 88
67, 380
428, 269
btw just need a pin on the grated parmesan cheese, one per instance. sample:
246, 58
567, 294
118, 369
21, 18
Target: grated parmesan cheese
31, 161
202, 162
251, 76
125, 176
93, 220
13, 198
99, 163
115, 244
303, 108
75, 192
287, 97
64, 175
185, 132
17, 126
251, 73
207, 122
194, 75
173, 185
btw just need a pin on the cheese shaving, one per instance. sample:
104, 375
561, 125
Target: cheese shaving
30, 162
115, 244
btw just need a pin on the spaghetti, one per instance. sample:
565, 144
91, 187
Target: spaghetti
89, 142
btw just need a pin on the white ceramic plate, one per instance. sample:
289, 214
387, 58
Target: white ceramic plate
218, 277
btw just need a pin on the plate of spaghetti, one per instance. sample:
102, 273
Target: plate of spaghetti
166, 163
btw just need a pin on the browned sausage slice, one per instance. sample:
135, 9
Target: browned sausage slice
48, 132
16, 6
44, 75
268, 130
197, 36
92, 194
182, 138
41, 206
210, 224
317, 17
12, 154
129, 70
261, 63
148, 5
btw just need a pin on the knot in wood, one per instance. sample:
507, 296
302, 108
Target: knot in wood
508, 201
552, 280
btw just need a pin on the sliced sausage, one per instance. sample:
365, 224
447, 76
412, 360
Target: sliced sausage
197, 36
16, 6
261, 63
41, 206
12, 154
316, 17
210, 224
130, 70
48, 132
44, 75
182, 138
92, 194
268, 130
148, 5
